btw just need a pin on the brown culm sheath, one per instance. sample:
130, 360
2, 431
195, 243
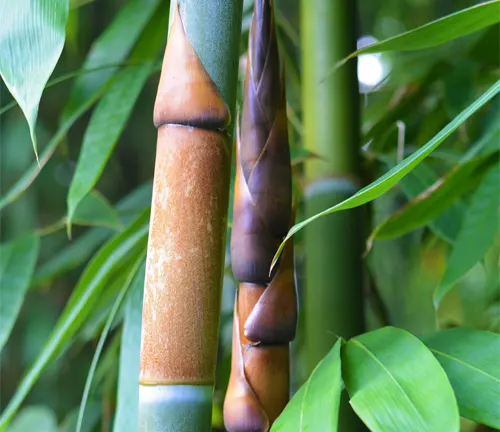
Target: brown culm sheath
188, 221
265, 312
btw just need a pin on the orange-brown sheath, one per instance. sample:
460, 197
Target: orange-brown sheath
188, 221
266, 305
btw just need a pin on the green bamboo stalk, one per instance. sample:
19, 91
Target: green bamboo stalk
265, 312
193, 112
334, 244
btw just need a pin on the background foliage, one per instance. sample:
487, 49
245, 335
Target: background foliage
70, 307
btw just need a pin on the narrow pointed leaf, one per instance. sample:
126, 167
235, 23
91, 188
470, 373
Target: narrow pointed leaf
111, 47
440, 31
478, 231
434, 200
396, 384
471, 361
17, 264
128, 384
315, 407
94, 279
32, 37
388, 180
95, 210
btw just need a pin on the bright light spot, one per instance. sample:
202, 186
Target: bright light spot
370, 70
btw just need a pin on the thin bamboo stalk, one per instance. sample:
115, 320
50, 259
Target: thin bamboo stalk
333, 295
196, 95
265, 311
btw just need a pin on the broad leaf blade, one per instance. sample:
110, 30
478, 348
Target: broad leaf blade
471, 361
315, 407
434, 200
17, 264
388, 180
478, 231
31, 40
93, 280
440, 31
396, 384
128, 385
35, 418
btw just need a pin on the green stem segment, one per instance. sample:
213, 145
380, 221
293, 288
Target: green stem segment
333, 244
180, 321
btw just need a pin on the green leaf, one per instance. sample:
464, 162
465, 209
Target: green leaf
478, 231
95, 210
111, 115
17, 264
388, 180
315, 407
31, 40
105, 127
471, 361
107, 327
111, 47
440, 31
396, 384
35, 418
434, 200
128, 384
106, 263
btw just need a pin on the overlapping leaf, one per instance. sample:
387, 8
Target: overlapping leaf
396, 384
471, 361
315, 407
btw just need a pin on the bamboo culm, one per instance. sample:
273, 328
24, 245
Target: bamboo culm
195, 99
265, 312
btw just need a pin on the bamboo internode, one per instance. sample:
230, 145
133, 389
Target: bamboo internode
265, 313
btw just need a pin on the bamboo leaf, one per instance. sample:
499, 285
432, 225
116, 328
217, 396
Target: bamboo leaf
439, 31
107, 327
111, 115
31, 40
388, 180
431, 203
112, 46
315, 407
396, 384
17, 264
128, 384
94, 279
95, 210
478, 231
35, 418
470, 359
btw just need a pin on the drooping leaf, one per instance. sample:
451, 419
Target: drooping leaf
128, 384
315, 407
471, 361
388, 180
32, 37
34, 418
107, 327
111, 115
434, 200
439, 31
111, 47
396, 384
17, 263
94, 279
95, 210
478, 231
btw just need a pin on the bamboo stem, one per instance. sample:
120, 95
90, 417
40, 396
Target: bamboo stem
196, 95
265, 312
333, 295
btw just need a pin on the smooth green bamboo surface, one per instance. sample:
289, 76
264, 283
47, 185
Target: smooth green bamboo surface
333, 293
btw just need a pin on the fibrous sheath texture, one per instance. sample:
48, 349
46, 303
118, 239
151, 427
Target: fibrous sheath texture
265, 312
